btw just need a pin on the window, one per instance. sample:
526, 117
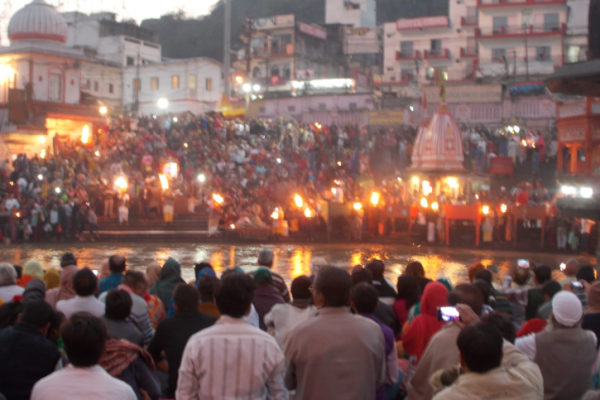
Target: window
136, 85
406, 74
573, 53
498, 55
500, 24
55, 87
96, 86
551, 22
175, 81
130, 61
542, 53
192, 82
88, 84
111, 88
154, 83
287, 71
275, 70
208, 84
436, 47
406, 49
256, 72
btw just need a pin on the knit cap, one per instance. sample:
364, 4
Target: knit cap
567, 308
261, 275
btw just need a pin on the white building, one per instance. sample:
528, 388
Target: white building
357, 13
193, 85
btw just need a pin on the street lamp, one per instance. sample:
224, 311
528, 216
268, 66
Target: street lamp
163, 103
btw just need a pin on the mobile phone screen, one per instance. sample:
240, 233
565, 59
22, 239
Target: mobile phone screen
576, 285
448, 314
523, 263
95, 271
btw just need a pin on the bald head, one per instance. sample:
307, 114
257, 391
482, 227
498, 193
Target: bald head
117, 264
572, 266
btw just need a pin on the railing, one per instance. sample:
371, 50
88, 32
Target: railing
436, 53
406, 55
519, 66
518, 58
470, 20
537, 30
504, 3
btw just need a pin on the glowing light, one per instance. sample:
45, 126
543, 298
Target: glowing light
246, 87
18, 215
103, 110
568, 190
85, 134
357, 206
121, 183
411, 108
399, 179
336, 182
239, 79
563, 266
43, 154
485, 210
164, 183
57, 190
504, 208
586, 192
427, 189
307, 213
6, 71
232, 226
40, 177
435, 206
97, 153
185, 145
42, 139
510, 129
339, 163
477, 196
452, 183
298, 201
424, 203
415, 180
318, 125
333, 190
279, 161
517, 129
201, 178
533, 145
217, 198
375, 198
175, 119
524, 143
275, 214
163, 103
256, 88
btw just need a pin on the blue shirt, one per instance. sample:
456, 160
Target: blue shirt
113, 280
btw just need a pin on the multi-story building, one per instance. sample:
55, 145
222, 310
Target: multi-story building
356, 13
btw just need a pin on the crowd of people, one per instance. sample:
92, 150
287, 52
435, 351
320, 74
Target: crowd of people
255, 167
118, 332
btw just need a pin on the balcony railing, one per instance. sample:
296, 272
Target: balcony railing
513, 3
517, 31
470, 20
408, 55
436, 54
519, 65
469, 51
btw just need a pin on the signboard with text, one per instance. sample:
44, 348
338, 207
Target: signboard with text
361, 40
274, 22
312, 30
422, 23
465, 93
386, 118
527, 88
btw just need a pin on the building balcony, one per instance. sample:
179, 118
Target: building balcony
519, 66
406, 79
517, 3
408, 56
503, 32
468, 52
470, 21
436, 54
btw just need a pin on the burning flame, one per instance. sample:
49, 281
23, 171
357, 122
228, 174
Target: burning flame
503, 208
307, 213
424, 203
485, 210
435, 206
357, 206
121, 183
85, 134
217, 198
298, 200
375, 198
163, 181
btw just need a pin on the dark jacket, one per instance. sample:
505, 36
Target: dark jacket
265, 297
26, 357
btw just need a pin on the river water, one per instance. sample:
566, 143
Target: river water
291, 260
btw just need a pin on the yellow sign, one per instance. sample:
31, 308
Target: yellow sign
386, 118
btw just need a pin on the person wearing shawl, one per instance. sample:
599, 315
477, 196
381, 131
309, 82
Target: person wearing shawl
156, 309
51, 279
424, 326
65, 291
170, 276
408, 296
32, 269
265, 295
35, 290
133, 365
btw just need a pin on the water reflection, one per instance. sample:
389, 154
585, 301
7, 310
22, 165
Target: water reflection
291, 260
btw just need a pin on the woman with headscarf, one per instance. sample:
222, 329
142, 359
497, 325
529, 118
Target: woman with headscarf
133, 365
408, 296
51, 279
156, 308
32, 269
170, 276
34, 290
416, 337
8, 283
65, 291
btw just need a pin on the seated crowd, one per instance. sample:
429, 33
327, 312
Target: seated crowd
119, 333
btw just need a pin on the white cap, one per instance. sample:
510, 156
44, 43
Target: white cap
567, 308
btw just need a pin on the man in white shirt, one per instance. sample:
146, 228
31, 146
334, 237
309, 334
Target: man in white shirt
85, 285
11, 202
84, 338
232, 359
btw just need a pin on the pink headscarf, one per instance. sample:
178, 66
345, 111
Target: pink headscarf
65, 291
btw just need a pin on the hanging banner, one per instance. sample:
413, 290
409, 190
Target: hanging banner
276, 21
386, 118
465, 93
361, 40
422, 23
312, 30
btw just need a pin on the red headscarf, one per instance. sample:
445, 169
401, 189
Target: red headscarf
425, 325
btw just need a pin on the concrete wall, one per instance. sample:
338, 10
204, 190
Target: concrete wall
336, 12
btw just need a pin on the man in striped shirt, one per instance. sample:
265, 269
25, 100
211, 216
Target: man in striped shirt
232, 359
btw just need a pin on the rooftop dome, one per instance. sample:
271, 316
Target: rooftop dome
37, 20
438, 146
